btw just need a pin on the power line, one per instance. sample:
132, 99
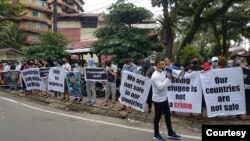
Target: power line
110, 5
98, 3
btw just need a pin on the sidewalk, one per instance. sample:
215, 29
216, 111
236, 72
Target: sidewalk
180, 121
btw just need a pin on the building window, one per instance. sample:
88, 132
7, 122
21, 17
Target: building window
30, 1
89, 24
36, 13
40, 26
35, 37
41, 3
30, 24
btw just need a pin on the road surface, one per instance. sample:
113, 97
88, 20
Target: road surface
22, 120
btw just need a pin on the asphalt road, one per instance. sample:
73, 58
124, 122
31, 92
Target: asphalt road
22, 120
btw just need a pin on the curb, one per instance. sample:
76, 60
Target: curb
80, 107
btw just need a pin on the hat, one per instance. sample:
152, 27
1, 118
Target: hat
214, 59
194, 59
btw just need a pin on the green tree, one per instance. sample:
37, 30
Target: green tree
186, 19
13, 37
53, 38
52, 47
206, 12
188, 53
119, 37
166, 31
9, 12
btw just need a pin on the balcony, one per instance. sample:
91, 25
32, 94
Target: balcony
32, 30
37, 19
43, 9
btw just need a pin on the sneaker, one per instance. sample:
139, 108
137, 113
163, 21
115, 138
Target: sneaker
92, 103
88, 102
173, 135
159, 138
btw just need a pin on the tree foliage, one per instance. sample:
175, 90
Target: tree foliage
119, 37
52, 47
227, 19
188, 53
9, 11
12, 37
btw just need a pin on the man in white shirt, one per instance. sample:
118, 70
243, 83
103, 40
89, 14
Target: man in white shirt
66, 65
7, 67
159, 85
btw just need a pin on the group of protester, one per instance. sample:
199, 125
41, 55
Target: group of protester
157, 94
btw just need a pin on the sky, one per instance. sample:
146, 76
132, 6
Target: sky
99, 6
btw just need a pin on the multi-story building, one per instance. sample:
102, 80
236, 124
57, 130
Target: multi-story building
79, 29
37, 16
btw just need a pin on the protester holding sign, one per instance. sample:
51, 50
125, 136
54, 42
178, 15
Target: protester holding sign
159, 84
90, 85
73, 81
67, 67
224, 93
195, 66
131, 67
147, 70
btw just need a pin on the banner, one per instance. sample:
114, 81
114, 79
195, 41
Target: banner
10, 78
246, 73
184, 95
95, 74
134, 90
32, 79
44, 72
73, 82
56, 79
224, 92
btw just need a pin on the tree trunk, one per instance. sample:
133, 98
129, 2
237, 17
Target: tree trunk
168, 32
217, 38
224, 39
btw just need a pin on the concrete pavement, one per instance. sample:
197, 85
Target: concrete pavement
24, 120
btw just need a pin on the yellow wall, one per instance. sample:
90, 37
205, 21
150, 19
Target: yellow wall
69, 24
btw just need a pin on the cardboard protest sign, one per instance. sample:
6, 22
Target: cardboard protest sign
32, 80
44, 72
185, 95
134, 90
224, 92
74, 84
56, 79
95, 74
10, 78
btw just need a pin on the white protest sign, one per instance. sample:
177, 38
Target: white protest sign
32, 79
56, 79
224, 92
134, 90
184, 95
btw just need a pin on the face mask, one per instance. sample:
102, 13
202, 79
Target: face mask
76, 65
64, 62
214, 64
194, 62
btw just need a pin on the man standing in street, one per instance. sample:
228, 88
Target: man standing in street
159, 85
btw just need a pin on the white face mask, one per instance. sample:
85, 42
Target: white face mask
214, 64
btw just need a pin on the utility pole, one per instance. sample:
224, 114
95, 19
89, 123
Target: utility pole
54, 26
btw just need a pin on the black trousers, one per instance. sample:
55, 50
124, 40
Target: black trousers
162, 108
